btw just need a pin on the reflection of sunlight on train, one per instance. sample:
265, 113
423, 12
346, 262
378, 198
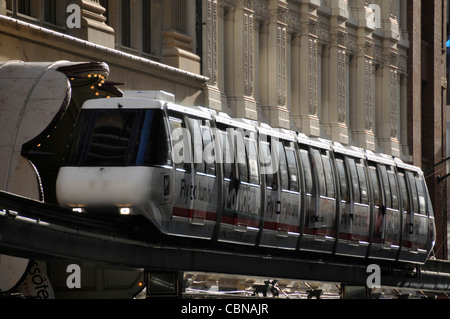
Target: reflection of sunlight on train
265, 187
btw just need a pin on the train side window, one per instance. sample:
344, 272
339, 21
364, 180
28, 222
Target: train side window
394, 188
284, 176
181, 143
403, 191
208, 150
354, 179
307, 172
269, 172
197, 144
227, 155
421, 194
413, 190
329, 176
374, 181
154, 151
241, 157
317, 160
362, 177
386, 186
252, 152
342, 173
293, 169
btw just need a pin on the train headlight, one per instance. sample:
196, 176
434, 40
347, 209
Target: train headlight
79, 210
125, 211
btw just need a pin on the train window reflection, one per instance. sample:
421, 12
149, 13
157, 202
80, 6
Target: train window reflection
241, 157
227, 155
354, 179
293, 172
362, 176
320, 173
374, 180
181, 144
154, 151
329, 177
421, 193
197, 144
283, 166
269, 168
309, 182
209, 151
403, 191
394, 188
252, 152
345, 195
386, 186
413, 190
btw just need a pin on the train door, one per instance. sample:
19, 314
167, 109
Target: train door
291, 198
195, 183
241, 190
205, 186
415, 219
281, 204
354, 222
392, 220
360, 192
320, 218
377, 248
345, 207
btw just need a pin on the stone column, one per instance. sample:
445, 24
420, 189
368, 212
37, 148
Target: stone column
210, 54
3, 7
305, 113
277, 65
336, 125
388, 111
178, 46
363, 112
93, 26
240, 72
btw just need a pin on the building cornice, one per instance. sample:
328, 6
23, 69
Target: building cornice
92, 51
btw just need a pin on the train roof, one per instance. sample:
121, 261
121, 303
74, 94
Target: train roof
123, 103
316, 142
348, 150
406, 166
161, 100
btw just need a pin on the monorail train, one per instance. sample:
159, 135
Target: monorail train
199, 173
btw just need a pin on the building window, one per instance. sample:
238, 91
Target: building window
105, 4
24, 7
50, 11
146, 26
125, 23
138, 25
47, 13
178, 15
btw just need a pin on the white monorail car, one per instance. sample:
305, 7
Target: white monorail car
197, 173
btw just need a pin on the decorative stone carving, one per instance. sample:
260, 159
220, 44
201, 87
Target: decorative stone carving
93, 26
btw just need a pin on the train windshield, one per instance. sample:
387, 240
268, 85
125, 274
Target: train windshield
120, 137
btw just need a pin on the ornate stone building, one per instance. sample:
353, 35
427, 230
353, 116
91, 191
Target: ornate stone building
352, 71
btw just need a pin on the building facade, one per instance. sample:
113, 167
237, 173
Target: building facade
366, 73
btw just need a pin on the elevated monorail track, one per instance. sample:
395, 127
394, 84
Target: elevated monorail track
36, 230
